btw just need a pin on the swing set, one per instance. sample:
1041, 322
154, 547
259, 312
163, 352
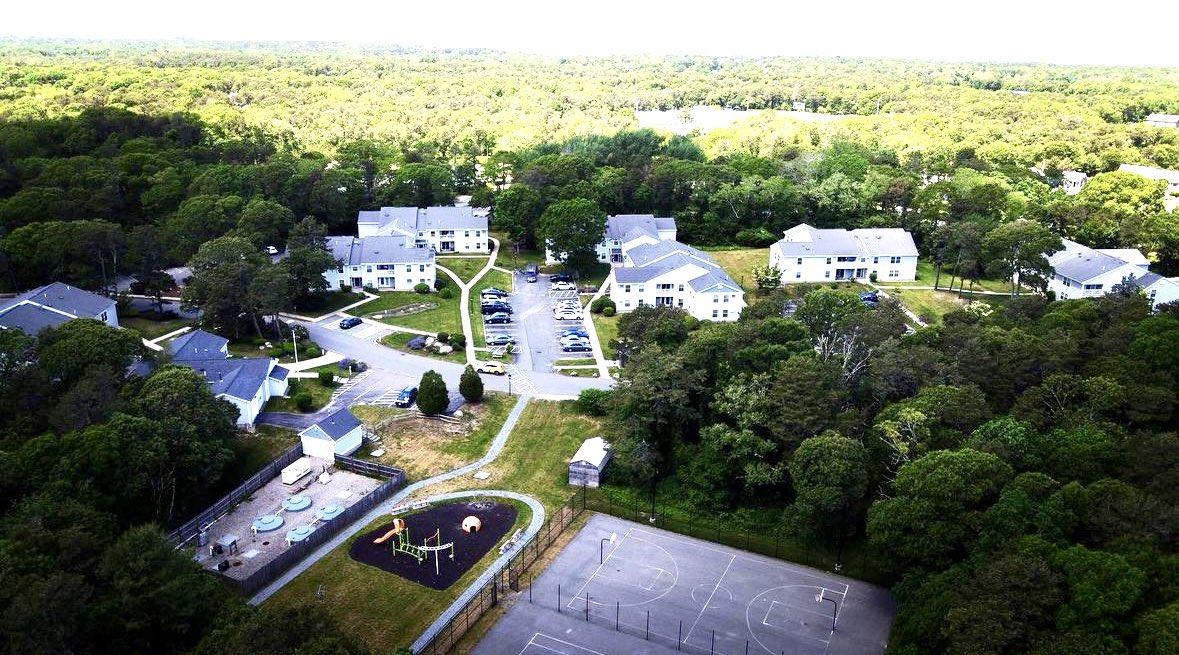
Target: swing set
420, 553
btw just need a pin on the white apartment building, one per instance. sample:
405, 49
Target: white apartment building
808, 254
448, 230
651, 268
381, 262
1083, 272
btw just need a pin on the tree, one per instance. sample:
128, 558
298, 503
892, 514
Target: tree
471, 385
656, 398
418, 185
572, 228
264, 222
517, 210
68, 351
651, 325
767, 278
433, 396
1158, 631
307, 259
223, 271
824, 312
1018, 251
830, 477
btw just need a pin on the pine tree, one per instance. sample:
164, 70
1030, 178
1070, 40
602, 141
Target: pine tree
471, 385
433, 397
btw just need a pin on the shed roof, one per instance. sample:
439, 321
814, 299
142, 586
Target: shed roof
593, 451
336, 425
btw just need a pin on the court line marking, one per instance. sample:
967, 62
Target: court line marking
590, 579
769, 610
532, 642
709, 600
675, 575
783, 564
789, 633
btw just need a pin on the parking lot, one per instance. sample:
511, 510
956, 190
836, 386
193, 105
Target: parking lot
533, 326
369, 330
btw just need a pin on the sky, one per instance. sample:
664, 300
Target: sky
1079, 32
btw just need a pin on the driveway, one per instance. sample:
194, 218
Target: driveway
536, 325
369, 330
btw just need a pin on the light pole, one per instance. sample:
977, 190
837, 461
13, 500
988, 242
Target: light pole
602, 546
295, 344
509, 384
820, 597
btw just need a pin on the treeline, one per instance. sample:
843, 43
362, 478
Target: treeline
1012, 468
97, 463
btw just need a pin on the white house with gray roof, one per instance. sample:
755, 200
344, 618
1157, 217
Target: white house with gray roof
808, 254
381, 262
1083, 272
340, 433
247, 382
54, 304
447, 230
625, 230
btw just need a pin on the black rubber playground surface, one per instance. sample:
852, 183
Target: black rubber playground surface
469, 548
659, 592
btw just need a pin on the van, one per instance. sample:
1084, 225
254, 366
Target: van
530, 272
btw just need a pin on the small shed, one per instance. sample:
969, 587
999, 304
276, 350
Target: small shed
585, 469
341, 433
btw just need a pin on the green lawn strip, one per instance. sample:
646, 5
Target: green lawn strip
579, 372
464, 267
581, 361
927, 275
607, 329
371, 415
333, 301
512, 260
929, 304
494, 278
320, 396
385, 611
498, 406
400, 341
334, 369
149, 329
739, 264
442, 318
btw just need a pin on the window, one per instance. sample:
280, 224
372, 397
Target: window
797, 274
715, 298
369, 268
432, 233
626, 288
1093, 287
642, 288
340, 269
681, 287
875, 260
894, 260
827, 274
664, 287
341, 284
103, 316
714, 313
408, 268
355, 269
828, 260
626, 303
680, 302
894, 273
725, 314
467, 233
421, 268
726, 298
800, 261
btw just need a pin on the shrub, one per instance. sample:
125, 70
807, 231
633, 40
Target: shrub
458, 340
608, 310
344, 363
440, 283
259, 341
471, 385
421, 287
446, 293
275, 352
312, 351
370, 289
872, 277
599, 306
347, 288
433, 396
444, 337
756, 237
359, 367
327, 378
300, 332
303, 401
593, 402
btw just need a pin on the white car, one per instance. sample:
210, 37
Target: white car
563, 286
567, 315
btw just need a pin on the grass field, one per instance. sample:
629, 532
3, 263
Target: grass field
739, 264
320, 396
148, 329
927, 274
464, 267
442, 318
930, 305
333, 301
516, 260
399, 341
607, 329
497, 279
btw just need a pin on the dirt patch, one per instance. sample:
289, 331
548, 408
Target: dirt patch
404, 310
469, 547
425, 447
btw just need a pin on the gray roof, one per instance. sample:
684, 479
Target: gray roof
631, 274
863, 242
450, 218
237, 377
353, 251
31, 318
649, 252
279, 372
198, 345
338, 423
712, 280
1087, 264
890, 241
386, 217
617, 227
1148, 279
64, 298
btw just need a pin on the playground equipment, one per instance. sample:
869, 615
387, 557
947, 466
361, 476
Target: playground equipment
438, 546
472, 524
403, 545
398, 526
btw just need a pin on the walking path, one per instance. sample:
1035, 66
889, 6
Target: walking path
173, 333
588, 321
908, 312
326, 358
497, 446
465, 298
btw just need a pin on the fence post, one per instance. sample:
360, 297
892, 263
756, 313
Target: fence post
558, 598
617, 612
679, 635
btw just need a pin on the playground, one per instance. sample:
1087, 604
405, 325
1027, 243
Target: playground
625, 587
436, 546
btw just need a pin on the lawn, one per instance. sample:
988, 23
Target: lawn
497, 279
252, 451
927, 274
739, 264
320, 396
443, 317
930, 305
149, 329
333, 301
248, 349
607, 329
464, 267
516, 260
400, 341
426, 447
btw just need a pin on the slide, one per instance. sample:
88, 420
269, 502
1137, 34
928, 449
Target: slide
391, 533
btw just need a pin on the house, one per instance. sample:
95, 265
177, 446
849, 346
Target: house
446, 230
54, 304
1073, 181
651, 268
379, 262
808, 254
585, 469
1163, 120
1083, 272
247, 382
1171, 201
341, 433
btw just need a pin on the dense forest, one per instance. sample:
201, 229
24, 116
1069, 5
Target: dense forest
1014, 469
1027, 452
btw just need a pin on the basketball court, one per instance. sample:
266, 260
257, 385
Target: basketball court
622, 587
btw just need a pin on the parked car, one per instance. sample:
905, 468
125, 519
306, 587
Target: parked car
407, 397
500, 340
560, 277
577, 348
567, 315
531, 271
579, 332
574, 341
493, 292
495, 308
498, 318
494, 368
563, 286
350, 322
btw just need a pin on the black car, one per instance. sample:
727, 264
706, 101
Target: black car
560, 277
500, 340
496, 308
407, 397
577, 348
350, 323
500, 318
492, 292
